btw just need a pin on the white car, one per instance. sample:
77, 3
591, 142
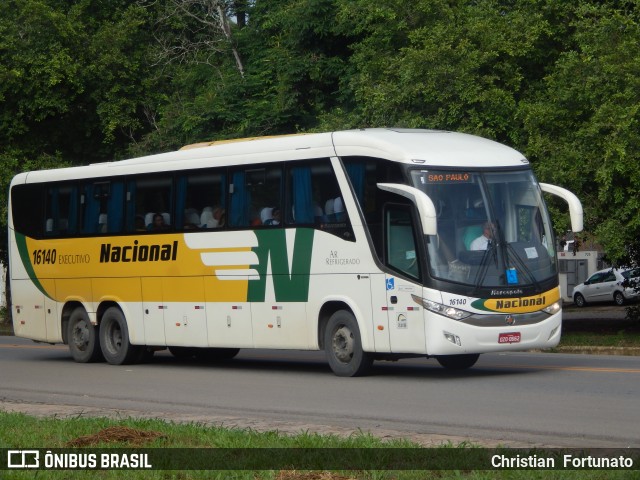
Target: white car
605, 286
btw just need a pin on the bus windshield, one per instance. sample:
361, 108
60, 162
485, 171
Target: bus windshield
493, 228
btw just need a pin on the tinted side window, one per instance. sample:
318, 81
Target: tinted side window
365, 173
596, 278
27, 209
400, 239
201, 200
149, 197
314, 198
102, 206
255, 196
61, 209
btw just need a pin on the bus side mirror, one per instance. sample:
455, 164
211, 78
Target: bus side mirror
423, 203
575, 207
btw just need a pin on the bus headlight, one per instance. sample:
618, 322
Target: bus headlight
553, 309
450, 312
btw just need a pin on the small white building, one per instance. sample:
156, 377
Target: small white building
575, 268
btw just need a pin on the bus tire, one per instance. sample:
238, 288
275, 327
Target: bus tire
458, 362
82, 337
343, 346
114, 339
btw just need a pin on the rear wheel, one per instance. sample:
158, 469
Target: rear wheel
458, 362
579, 300
618, 297
114, 339
82, 337
343, 346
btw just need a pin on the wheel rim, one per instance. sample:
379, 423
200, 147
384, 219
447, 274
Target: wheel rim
342, 344
579, 300
80, 335
114, 338
619, 299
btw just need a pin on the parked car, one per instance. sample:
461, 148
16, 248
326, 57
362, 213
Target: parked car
605, 286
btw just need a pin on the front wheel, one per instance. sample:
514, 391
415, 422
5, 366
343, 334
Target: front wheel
114, 339
458, 362
343, 346
579, 300
618, 297
82, 337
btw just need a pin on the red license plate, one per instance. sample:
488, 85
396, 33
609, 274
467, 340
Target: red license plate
512, 337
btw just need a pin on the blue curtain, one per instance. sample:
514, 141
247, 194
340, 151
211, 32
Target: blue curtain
115, 207
240, 201
302, 195
131, 206
91, 210
356, 171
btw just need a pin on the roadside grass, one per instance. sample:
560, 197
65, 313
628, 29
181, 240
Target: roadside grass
620, 338
19, 431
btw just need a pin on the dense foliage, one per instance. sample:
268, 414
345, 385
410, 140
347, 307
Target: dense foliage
93, 80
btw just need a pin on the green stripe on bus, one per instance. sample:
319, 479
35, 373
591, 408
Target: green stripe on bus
21, 243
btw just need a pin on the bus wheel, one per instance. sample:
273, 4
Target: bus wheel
84, 344
458, 362
114, 339
343, 346
215, 354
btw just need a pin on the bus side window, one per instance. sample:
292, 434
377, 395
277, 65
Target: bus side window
253, 190
400, 240
148, 195
28, 209
101, 206
200, 200
314, 198
61, 210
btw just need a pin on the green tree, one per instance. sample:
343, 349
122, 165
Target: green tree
582, 123
449, 65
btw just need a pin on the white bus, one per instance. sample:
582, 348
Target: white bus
358, 243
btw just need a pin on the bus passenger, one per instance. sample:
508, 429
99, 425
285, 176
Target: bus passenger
158, 223
275, 217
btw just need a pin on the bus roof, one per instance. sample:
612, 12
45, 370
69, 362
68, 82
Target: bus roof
429, 148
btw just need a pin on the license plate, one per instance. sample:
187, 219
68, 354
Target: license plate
512, 337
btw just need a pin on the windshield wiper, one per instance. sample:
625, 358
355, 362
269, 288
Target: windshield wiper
491, 251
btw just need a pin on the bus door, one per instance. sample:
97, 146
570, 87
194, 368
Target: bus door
405, 316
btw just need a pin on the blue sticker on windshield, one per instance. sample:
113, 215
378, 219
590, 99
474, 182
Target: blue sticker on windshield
512, 276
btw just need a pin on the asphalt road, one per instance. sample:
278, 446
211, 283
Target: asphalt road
516, 399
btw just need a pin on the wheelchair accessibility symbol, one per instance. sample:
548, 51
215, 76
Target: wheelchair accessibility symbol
391, 283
